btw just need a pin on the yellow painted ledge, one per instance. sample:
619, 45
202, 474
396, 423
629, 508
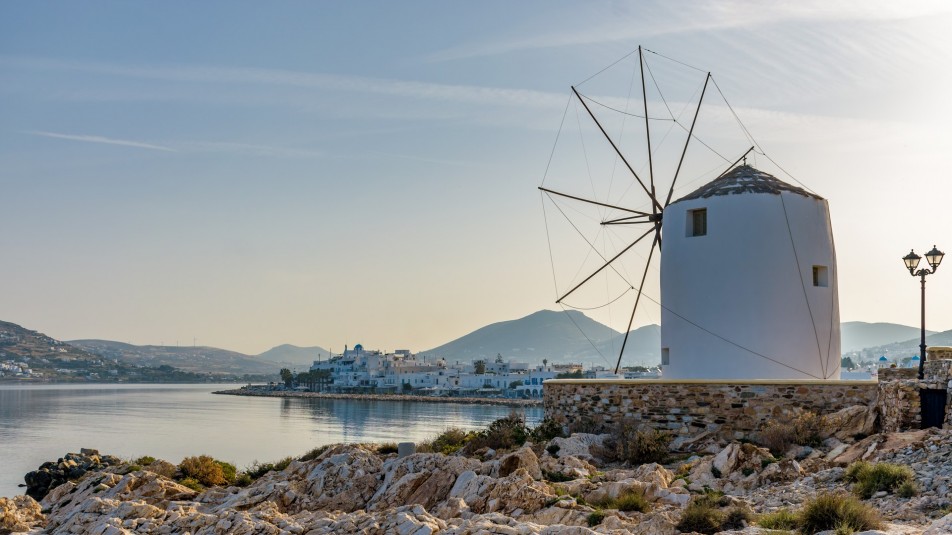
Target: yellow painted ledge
701, 382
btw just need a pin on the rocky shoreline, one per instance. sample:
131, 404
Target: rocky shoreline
567, 485
508, 402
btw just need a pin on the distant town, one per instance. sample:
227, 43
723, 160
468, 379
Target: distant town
363, 371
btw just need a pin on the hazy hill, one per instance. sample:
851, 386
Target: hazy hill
857, 335
194, 359
50, 359
288, 354
910, 348
556, 336
20, 342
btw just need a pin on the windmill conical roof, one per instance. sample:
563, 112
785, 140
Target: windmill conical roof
745, 179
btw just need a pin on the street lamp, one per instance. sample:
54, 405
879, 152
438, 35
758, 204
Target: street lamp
933, 258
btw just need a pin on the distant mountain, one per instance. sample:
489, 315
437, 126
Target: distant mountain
199, 359
293, 355
857, 335
33, 356
908, 348
556, 336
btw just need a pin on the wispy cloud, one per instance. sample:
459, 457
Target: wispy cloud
290, 78
681, 18
103, 140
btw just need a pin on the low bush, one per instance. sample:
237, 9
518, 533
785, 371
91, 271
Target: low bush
907, 489
314, 453
556, 477
243, 480
387, 448
737, 518
546, 431
595, 518
202, 469
145, 460
505, 433
779, 519
450, 441
630, 444
702, 517
805, 429
869, 478
837, 511
256, 470
192, 483
631, 501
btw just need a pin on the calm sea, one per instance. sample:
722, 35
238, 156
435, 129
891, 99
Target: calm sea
42, 423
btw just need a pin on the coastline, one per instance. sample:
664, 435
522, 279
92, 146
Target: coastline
384, 397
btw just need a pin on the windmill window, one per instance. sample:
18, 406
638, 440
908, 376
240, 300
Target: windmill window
697, 222
820, 276
665, 356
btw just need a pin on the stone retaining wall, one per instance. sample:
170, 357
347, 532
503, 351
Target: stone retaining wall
691, 407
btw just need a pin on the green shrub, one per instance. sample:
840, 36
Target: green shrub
630, 444
907, 489
595, 518
228, 471
546, 431
556, 477
837, 511
872, 478
131, 468
503, 434
702, 517
631, 501
314, 453
256, 470
737, 518
192, 483
145, 460
243, 479
205, 470
780, 519
450, 441
853, 471
387, 448
805, 429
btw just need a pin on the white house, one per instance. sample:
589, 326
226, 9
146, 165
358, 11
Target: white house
749, 282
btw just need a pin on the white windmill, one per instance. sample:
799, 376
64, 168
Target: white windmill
722, 315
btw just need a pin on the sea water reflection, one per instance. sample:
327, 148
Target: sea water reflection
40, 423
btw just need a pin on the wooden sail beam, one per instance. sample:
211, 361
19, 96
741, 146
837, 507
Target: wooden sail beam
655, 203
606, 264
688, 140
624, 342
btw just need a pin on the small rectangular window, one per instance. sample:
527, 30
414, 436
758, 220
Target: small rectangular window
697, 222
665, 356
820, 277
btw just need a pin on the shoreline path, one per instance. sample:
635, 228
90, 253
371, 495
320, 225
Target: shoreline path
384, 397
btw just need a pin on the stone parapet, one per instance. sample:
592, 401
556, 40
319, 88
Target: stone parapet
896, 374
899, 404
939, 353
690, 407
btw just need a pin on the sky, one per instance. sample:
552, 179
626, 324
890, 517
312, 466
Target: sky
244, 174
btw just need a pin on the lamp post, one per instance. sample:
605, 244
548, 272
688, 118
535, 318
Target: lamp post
933, 258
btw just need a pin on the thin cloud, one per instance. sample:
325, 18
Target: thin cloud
289, 78
680, 19
103, 140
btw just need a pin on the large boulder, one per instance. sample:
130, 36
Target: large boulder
422, 478
858, 420
523, 458
578, 445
